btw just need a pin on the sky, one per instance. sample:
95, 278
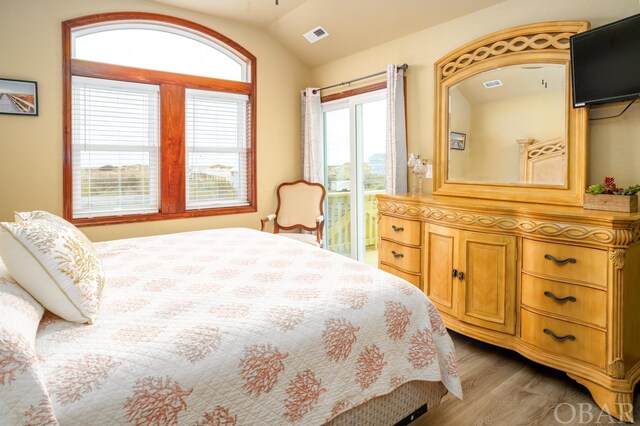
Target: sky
338, 133
158, 50
16, 87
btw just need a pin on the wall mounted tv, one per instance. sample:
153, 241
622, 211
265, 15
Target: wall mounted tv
605, 63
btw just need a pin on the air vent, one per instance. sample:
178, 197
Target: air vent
315, 34
491, 84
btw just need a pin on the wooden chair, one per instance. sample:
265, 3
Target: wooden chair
300, 206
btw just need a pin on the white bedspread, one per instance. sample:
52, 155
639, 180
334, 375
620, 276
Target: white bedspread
236, 326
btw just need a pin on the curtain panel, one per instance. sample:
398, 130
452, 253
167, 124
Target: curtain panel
312, 146
396, 170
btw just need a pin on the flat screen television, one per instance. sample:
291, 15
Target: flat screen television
605, 63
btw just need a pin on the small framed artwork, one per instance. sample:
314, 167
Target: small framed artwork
18, 97
457, 140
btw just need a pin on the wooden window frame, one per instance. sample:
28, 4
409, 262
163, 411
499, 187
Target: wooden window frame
172, 122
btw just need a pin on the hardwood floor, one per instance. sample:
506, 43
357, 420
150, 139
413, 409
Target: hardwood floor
503, 388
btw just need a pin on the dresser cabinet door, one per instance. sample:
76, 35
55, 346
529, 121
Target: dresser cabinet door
441, 251
486, 281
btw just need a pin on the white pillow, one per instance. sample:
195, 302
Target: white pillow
55, 265
41, 214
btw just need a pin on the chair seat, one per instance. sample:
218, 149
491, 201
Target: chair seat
305, 238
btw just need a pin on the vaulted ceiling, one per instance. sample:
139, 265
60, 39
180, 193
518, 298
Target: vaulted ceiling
353, 25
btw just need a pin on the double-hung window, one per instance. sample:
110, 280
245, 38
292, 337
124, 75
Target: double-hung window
216, 157
159, 120
115, 136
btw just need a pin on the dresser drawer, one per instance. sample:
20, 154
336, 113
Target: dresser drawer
565, 262
399, 256
400, 230
580, 342
413, 279
575, 302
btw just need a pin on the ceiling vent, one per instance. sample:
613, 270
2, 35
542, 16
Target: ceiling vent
316, 34
491, 84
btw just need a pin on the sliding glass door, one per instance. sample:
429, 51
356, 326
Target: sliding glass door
355, 156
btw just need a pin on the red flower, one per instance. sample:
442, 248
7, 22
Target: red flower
609, 185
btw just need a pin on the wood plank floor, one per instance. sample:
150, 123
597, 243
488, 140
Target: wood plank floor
503, 388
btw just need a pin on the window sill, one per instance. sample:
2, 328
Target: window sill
113, 220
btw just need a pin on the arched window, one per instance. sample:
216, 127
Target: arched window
159, 120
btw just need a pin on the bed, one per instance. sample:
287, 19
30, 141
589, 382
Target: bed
543, 162
225, 327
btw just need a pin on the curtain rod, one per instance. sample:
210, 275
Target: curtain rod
314, 91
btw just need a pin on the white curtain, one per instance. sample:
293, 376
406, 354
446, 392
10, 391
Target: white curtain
312, 149
396, 179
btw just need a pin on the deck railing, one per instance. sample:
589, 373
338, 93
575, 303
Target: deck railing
338, 220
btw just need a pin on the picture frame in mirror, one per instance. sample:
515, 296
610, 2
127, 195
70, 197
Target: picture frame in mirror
457, 140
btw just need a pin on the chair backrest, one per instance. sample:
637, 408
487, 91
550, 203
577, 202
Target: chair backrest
299, 204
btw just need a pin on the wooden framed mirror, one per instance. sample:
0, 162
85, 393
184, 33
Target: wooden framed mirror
505, 125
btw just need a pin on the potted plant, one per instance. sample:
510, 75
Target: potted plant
608, 196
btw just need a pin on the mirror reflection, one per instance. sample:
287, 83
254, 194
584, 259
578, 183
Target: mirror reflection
508, 125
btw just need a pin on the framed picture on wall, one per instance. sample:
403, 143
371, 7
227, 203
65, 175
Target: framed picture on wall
18, 97
457, 140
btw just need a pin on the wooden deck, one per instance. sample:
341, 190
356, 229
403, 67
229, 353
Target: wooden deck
6, 105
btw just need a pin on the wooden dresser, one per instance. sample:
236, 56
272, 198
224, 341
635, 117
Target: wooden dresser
559, 285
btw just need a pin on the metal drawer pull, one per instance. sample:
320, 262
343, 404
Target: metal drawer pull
397, 228
460, 275
559, 338
454, 273
397, 255
559, 299
559, 262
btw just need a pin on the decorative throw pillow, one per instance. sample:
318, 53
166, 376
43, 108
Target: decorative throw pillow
23, 394
55, 265
41, 214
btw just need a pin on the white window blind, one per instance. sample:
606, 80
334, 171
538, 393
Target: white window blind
115, 147
217, 149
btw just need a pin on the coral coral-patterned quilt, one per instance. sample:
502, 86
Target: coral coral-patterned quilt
236, 326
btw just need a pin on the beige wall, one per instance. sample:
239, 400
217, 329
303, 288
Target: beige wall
31, 147
496, 127
613, 144
460, 161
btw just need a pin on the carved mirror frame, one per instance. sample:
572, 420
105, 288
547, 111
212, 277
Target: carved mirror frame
546, 42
